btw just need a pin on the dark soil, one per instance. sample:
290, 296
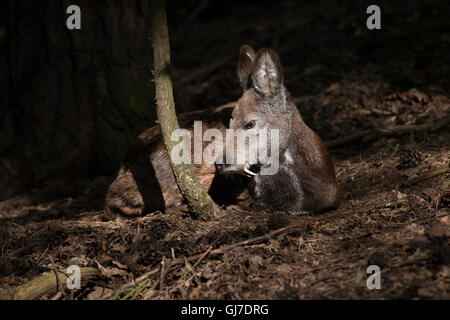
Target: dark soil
344, 79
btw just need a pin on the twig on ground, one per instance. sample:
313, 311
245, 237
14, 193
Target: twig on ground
426, 175
134, 292
202, 257
58, 281
130, 284
409, 183
192, 268
406, 263
255, 240
163, 273
369, 135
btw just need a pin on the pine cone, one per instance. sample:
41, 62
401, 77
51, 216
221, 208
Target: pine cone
409, 158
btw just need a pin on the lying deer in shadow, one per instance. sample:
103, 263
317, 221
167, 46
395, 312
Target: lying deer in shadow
296, 176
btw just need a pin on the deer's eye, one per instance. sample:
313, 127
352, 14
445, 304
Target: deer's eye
250, 125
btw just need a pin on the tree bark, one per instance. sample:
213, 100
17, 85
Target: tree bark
74, 99
198, 200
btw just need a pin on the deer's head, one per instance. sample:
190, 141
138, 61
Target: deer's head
261, 120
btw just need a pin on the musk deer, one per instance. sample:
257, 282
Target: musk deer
303, 179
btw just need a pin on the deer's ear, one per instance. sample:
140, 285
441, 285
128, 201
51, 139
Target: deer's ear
245, 65
267, 74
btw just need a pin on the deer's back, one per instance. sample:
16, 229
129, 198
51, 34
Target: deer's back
145, 182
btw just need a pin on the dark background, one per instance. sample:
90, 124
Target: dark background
71, 101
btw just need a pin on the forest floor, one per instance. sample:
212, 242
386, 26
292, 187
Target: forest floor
394, 215
404, 229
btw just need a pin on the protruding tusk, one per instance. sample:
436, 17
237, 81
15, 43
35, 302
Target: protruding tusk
247, 171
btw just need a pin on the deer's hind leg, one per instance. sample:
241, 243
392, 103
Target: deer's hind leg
134, 192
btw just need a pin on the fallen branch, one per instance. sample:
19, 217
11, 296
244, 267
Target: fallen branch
426, 175
406, 263
45, 284
265, 237
224, 249
369, 135
408, 183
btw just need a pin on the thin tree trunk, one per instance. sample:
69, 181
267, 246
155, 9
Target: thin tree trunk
199, 202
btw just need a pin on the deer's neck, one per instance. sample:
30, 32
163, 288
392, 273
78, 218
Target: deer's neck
283, 190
